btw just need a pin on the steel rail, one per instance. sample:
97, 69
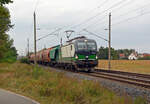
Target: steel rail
127, 77
127, 81
123, 73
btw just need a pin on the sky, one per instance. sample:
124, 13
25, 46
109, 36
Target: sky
130, 22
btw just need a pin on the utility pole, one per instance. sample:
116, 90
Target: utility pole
35, 38
109, 52
28, 47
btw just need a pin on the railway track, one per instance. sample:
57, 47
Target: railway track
132, 84
124, 73
139, 80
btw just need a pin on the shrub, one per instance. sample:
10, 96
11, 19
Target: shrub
8, 60
37, 72
25, 60
145, 58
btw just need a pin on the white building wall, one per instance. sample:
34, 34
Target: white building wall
132, 57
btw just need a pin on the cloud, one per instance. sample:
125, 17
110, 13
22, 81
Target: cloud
52, 14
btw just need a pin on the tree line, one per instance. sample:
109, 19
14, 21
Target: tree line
8, 52
103, 53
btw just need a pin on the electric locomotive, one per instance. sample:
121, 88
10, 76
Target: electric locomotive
78, 53
85, 54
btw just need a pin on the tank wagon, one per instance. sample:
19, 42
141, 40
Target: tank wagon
77, 54
46, 56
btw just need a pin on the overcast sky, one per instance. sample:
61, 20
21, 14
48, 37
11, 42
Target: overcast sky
130, 22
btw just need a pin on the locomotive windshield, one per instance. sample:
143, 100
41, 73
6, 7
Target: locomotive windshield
91, 46
82, 46
87, 46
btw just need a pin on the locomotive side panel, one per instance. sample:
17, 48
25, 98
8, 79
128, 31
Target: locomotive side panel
68, 52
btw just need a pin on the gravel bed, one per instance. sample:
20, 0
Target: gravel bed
118, 87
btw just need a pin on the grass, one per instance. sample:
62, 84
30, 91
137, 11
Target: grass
138, 66
8, 60
48, 87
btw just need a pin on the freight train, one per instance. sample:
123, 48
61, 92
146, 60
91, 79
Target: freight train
77, 54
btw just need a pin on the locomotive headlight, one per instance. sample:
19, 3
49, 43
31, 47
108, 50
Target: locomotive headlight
96, 57
76, 57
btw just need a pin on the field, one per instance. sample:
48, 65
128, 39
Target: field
49, 87
138, 66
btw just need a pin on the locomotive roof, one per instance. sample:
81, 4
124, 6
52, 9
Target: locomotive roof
85, 39
77, 38
82, 38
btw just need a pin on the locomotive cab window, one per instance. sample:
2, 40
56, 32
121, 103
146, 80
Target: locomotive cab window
91, 46
87, 46
81, 45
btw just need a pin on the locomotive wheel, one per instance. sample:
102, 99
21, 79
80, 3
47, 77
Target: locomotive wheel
76, 69
66, 67
89, 70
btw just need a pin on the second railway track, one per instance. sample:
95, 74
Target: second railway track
124, 73
140, 80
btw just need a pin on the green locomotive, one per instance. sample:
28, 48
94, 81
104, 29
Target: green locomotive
78, 54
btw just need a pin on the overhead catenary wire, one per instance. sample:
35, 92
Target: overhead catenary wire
36, 5
95, 35
89, 19
125, 14
49, 34
100, 5
134, 10
91, 10
131, 18
131, 1
121, 6
97, 22
128, 19
65, 26
101, 19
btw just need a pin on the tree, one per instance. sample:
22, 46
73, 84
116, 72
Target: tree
2, 2
7, 50
144, 58
103, 53
126, 52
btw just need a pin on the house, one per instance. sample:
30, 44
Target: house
133, 56
146, 55
122, 56
140, 55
